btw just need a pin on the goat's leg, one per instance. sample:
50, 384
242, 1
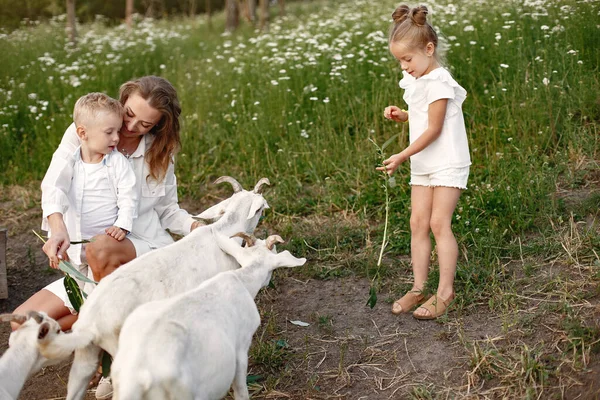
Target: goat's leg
240, 388
84, 366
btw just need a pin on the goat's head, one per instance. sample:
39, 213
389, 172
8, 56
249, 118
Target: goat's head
34, 326
35, 323
248, 204
258, 252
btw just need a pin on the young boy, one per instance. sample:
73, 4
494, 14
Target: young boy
101, 190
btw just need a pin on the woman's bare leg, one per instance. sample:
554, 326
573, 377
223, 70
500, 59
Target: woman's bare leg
105, 254
48, 302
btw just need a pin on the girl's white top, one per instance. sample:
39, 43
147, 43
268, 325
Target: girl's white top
451, 148
157, 208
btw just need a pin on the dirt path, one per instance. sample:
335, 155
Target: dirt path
350, 351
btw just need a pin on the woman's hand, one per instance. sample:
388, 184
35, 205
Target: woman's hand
395, 114
57, 245
116, 232
392, 163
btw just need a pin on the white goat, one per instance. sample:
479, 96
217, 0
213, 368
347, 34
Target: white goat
156, 275
22, 358
195, 345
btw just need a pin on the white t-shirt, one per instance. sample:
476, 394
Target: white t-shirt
451, 148
99, 203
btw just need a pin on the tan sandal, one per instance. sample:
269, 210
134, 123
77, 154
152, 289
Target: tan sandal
436, 307
406, 302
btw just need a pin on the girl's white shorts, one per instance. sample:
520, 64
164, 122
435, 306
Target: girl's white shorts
450, 177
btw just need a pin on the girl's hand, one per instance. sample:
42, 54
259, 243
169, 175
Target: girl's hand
116, 232
395, 114
392, 163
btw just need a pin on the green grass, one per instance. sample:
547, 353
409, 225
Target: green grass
301, 103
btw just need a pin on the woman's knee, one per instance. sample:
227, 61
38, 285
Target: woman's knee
44, 301
104, 254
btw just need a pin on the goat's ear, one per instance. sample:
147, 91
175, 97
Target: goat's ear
43, 330
215, 212
16, 318
35, 315
286, 259
230, 246
258, 204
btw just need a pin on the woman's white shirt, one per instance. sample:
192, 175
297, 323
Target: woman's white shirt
451, 148
158, 207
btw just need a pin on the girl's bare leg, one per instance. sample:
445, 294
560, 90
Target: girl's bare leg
105, 254
421, 200
48, 302
445, 200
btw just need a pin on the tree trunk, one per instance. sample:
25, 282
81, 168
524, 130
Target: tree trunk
208, 14
264, 14
251, 7
128, 13
281, 7
71, 21
232, 12
192, 8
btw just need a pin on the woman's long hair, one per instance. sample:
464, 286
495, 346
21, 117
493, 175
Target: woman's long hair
161, 95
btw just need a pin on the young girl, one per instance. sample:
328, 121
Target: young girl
438, 152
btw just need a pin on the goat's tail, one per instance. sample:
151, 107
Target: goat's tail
61, 346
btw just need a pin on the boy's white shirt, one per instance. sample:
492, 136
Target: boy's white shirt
121, 181
157, 208
451, 148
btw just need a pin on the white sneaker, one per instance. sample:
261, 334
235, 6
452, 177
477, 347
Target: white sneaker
104, 389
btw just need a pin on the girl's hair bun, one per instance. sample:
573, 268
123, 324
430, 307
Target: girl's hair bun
400, 13
419, 15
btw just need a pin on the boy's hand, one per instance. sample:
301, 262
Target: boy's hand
116, 232
392, 163
395, 114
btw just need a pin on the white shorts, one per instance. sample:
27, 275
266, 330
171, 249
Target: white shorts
58, 287
450, 177
141, 246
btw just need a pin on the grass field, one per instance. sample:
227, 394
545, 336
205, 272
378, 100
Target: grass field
303, 105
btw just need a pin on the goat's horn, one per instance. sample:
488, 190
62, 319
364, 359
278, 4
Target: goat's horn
35, 315
17, 318
260, 183
250, 240
271, 240
236, 185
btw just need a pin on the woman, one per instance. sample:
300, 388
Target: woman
149, 138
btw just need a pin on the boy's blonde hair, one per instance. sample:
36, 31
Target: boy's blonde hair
91, 104
410, 26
